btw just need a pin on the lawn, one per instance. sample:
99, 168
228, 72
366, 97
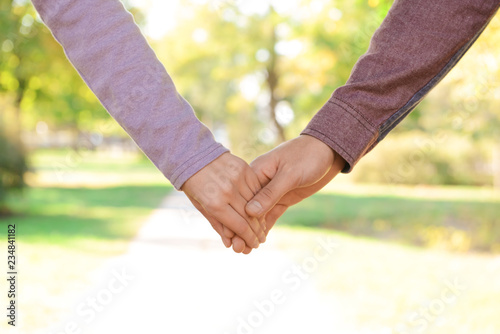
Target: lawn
399, 246
451, 218
99, 202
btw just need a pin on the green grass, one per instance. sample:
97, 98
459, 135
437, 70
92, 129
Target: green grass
90, 206
103, 209
66, 168
79, 216
453, 222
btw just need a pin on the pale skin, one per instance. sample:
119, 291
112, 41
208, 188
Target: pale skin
290, 173
220, 191
228, 202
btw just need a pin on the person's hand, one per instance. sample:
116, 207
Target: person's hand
301, 167
226, 234
296, 195
220, 191
290, 173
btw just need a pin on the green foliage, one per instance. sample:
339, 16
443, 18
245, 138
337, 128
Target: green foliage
12, 169
465, 221
309, 51
219, 53
416, 157
209, 73
36, 74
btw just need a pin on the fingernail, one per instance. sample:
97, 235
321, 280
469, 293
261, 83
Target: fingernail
226, 242
264, 225
256, 243
255, 207
262, 237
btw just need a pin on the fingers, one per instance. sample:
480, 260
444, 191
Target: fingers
265, 167
228, 233
233, 221
238, 205
218, 188
244, 184
253, 185
216, 225
270, 219
268, 196
230, 222
238, 245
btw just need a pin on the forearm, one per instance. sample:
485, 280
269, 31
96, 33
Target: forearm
418, 43
107, 48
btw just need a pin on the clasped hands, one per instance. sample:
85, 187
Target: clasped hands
242, 202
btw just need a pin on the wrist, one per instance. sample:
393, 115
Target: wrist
325, 151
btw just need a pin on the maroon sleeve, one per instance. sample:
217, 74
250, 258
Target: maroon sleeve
418, 43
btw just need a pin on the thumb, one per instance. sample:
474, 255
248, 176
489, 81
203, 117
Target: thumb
268, 196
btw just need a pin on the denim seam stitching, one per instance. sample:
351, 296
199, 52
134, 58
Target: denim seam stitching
353, 108
372, 130
412, 103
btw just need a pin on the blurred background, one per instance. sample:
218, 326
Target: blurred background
424, 205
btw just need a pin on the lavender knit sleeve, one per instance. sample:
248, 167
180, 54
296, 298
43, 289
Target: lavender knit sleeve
107, 48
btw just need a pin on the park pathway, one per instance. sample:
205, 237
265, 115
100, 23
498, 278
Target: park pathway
177, 277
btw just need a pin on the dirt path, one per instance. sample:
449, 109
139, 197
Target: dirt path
178, 278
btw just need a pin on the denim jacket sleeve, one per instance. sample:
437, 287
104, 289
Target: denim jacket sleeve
107, 48
418, 43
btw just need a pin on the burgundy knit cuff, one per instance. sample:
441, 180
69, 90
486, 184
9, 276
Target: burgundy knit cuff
343, 129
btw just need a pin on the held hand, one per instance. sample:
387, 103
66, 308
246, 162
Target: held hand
290, 173
297, 195
220, 192
299, 163
239, 245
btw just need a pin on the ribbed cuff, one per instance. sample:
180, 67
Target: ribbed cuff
194, 165
343, 129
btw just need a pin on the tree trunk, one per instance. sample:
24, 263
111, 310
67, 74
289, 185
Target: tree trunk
272, 82
496, 166
16, 129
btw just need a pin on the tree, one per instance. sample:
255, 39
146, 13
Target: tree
263, 69
12, 169
37, 82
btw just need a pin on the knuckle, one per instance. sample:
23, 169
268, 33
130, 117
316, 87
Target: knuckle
235, 167
225, 183
214, 206
243, 229
226, 187
211, 191
286, 168
234, 177
267, 193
